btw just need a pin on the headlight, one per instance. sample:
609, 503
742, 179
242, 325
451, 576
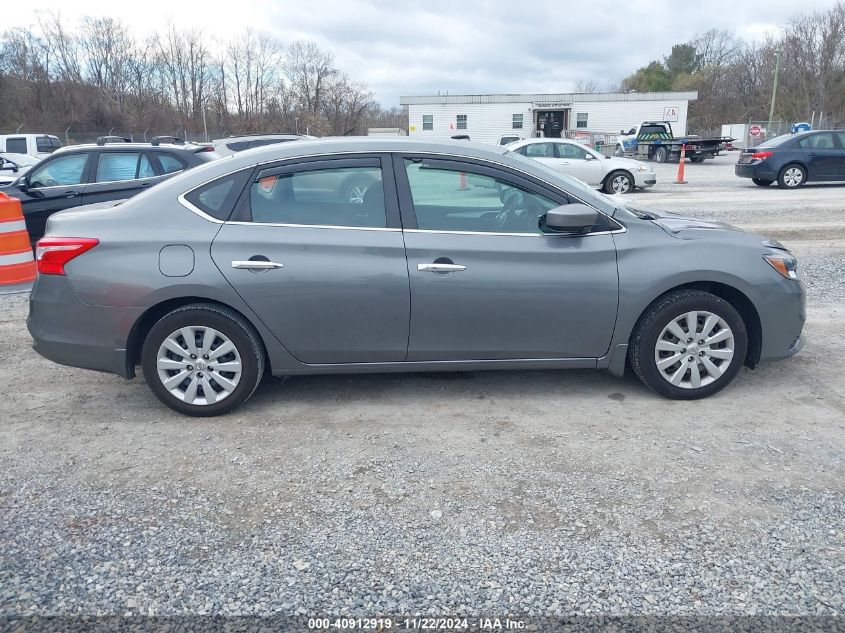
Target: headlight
643, 168
786, 265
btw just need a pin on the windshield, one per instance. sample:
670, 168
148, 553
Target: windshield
604, 203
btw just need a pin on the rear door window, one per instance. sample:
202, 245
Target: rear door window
16, 145
43, 145
347, 196
817, 141
115, 166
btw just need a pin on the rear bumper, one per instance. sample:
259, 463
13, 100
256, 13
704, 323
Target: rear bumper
69, 332
763, 171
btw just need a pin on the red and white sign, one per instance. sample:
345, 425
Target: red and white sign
755, 130
670, 114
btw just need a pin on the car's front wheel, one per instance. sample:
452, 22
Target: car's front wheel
202, 360
619, 182
689, 344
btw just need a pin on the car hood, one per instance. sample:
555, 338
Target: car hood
616, 162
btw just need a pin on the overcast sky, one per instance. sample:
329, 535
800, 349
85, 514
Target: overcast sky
460, 46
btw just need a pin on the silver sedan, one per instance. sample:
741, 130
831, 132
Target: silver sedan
455, 257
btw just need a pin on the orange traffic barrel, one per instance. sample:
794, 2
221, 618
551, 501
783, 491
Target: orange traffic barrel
17, 265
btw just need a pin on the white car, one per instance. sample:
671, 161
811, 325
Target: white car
611, 174
14, 165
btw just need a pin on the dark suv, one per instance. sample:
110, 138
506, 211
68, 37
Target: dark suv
85, 174
793, 159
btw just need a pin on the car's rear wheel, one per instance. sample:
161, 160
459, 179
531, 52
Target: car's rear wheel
202, 360
761, 182
689, 344
792, 177
619, 182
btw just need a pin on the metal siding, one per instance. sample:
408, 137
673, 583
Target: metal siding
486, 122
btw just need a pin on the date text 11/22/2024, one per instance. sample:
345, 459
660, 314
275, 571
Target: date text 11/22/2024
418, 623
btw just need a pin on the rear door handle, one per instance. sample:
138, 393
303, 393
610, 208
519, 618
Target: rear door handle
256, 264
440, 268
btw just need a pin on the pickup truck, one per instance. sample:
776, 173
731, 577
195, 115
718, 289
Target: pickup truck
655, 141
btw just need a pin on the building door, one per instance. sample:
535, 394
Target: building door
551, 123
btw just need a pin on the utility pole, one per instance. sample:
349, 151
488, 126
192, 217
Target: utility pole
774, 91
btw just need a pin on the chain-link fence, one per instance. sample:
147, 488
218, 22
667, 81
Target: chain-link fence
77, 136
759, 131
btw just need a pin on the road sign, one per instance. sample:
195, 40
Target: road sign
755, 130
670, 114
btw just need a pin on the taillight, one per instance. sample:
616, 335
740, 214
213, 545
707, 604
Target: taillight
760, 155
53, 253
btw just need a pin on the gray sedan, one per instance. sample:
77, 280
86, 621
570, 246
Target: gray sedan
456, 257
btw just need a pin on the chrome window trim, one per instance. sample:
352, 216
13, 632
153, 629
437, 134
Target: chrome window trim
612, 232
384, 229
184, 202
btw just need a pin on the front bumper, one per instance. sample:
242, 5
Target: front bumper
645, 179
782, 309
69, 332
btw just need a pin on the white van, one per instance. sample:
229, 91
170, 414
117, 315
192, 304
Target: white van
38, 145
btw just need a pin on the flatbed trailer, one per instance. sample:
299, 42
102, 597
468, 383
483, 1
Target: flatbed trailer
654, 140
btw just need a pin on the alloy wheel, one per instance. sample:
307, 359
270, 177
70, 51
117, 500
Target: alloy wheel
694, 349
793, 177
620, 184
199, 365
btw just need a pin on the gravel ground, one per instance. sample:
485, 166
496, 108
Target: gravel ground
529, 493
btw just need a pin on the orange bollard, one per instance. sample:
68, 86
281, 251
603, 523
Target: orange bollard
680, 180
17, 265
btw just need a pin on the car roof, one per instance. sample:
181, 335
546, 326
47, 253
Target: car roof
360, 144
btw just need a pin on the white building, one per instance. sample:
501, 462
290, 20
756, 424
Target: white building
486, 118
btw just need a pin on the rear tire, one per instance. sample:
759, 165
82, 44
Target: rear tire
792, 176
196, 342
697, 159
761, 182
661, 155
685, 366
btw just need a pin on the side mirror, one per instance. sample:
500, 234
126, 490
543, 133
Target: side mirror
589, 156
21, 184
571, 218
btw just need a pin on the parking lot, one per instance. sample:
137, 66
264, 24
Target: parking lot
530, 493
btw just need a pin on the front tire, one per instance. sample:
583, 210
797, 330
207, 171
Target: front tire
661, 155
761, 182
688, 344
619, 182
792, 176
202, 360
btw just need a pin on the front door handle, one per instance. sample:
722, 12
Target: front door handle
440, 268
256, 264
71, 194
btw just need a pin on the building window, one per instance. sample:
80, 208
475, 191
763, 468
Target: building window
462, 121
428, 121
517, 121
581, 119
